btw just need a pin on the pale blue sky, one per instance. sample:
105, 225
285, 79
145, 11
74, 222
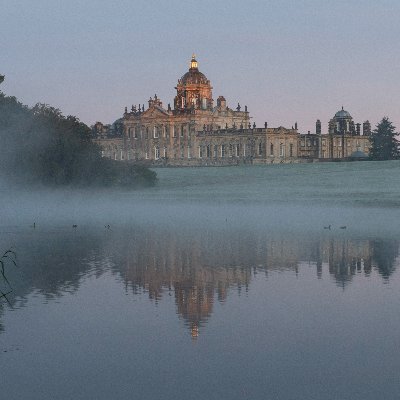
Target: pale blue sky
287, 60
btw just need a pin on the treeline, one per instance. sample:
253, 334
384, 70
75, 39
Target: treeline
41, 145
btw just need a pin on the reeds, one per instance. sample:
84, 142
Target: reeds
7, 257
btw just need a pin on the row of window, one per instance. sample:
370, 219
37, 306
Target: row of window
232, 150
203, 151
156, 132
336, 142
208, 151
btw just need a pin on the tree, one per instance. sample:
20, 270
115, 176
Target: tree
384, 145
40, 144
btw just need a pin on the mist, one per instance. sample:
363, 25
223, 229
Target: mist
293, 198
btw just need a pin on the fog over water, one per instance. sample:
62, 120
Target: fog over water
218, 283
364, 196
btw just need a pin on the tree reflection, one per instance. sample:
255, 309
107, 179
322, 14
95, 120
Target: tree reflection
384, 255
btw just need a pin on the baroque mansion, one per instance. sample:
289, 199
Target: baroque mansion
195, 131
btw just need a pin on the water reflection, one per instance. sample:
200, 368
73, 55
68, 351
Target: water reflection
200, 269
197, 268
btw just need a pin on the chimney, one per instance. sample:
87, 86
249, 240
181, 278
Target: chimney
318, 127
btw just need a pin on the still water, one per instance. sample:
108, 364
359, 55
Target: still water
220, 283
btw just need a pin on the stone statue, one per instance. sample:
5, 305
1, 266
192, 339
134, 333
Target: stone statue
245, 108
254, 125
238, 107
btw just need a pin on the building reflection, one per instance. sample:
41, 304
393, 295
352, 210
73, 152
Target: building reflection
184, 268
200, 270
197, 269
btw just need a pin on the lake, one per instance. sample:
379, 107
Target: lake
257, 282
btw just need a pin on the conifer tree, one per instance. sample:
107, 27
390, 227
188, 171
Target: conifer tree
384, 144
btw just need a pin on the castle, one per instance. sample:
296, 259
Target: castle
196, 132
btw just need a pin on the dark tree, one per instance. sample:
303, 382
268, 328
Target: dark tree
384, 145
40, 144
384, 254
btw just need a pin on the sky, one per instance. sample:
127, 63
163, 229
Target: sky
288, 61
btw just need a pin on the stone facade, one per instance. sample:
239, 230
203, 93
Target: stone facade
343, 141
197, 132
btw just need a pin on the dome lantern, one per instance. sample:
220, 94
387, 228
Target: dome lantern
193, 62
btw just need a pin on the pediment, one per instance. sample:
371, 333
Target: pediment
154, 112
